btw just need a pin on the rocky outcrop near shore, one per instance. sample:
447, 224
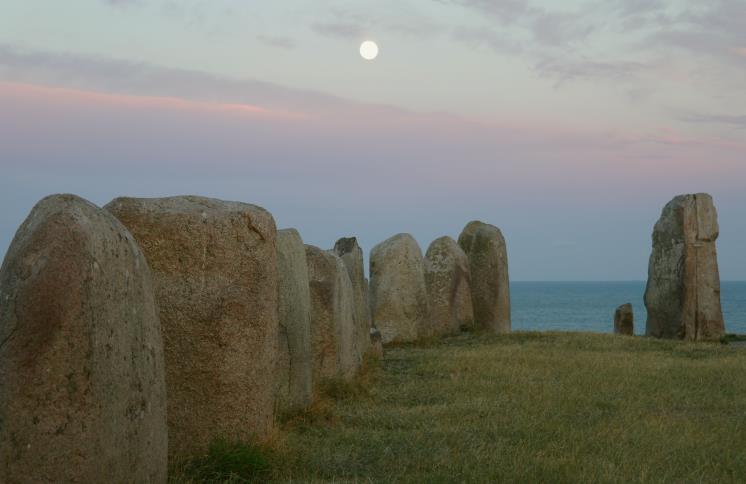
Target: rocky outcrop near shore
351, 254
624, 320
485, 246
82, 387
448, 287
294, 364
683, 291
398, 295
214, 265
333, 338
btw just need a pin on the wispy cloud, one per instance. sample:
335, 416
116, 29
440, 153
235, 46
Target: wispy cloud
564, 70
277, 41
736, 121
122, 3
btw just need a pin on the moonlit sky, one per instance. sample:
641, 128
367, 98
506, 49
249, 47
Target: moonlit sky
567, 124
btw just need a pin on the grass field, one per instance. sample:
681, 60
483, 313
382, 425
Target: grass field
528, 407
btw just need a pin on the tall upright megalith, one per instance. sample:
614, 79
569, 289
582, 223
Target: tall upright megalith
82, 388
214, 265
352, 255
485, 246
294, 363
683, 291
448, 287
398, 295
332, 316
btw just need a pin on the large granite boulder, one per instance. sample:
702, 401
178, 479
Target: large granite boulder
82, 387
398, 296
490, 284
352, 255
624, 320
332, 316
214, 266
294, 363
448, 287
683, 292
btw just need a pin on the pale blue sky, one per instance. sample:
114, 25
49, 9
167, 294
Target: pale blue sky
568, 124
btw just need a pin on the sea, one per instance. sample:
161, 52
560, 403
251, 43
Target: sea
589, 306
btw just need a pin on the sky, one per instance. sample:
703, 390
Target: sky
569, 124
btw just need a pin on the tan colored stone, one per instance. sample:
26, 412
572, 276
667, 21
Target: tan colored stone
215, 270
398, 296
332, 316
294, 362
376, 343
82, 388
624, 320
683, 292
352, 255
485, 246
448, 287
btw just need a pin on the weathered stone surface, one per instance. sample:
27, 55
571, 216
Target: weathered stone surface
376, 343
624, 320
398, 296
332, 316
294, 363
448, 287
683, 292
490, 284
352, 255
214, 265
82, 388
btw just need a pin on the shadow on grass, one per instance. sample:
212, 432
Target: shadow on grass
228, 462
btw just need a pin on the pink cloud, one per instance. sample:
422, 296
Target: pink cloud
61, 95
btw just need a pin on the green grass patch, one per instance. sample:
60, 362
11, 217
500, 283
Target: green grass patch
733, 338
531, 407
226, 462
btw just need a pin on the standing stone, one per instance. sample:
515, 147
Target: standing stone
294, 363
214, 265
683, 292
448, 287
490, 284
398, 296
624, 320
332, 316
352, 256
82, 389
376, 343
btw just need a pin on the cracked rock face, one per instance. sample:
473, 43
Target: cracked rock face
214, 267
448, 287
683, 291
352, 255
294, 364
485, 246
398, 295
82, 387
332, 316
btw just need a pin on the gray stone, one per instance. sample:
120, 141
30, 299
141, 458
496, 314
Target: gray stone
214, 266
352, 256
294, 362
448, 287
398, 296
490, 284
624, 320
332, 316
683, 291
82, 386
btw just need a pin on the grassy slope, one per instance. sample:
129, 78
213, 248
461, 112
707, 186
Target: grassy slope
531, 407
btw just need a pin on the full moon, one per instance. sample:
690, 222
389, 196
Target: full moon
369, 50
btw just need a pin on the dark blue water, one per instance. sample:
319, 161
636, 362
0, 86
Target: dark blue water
589, 306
